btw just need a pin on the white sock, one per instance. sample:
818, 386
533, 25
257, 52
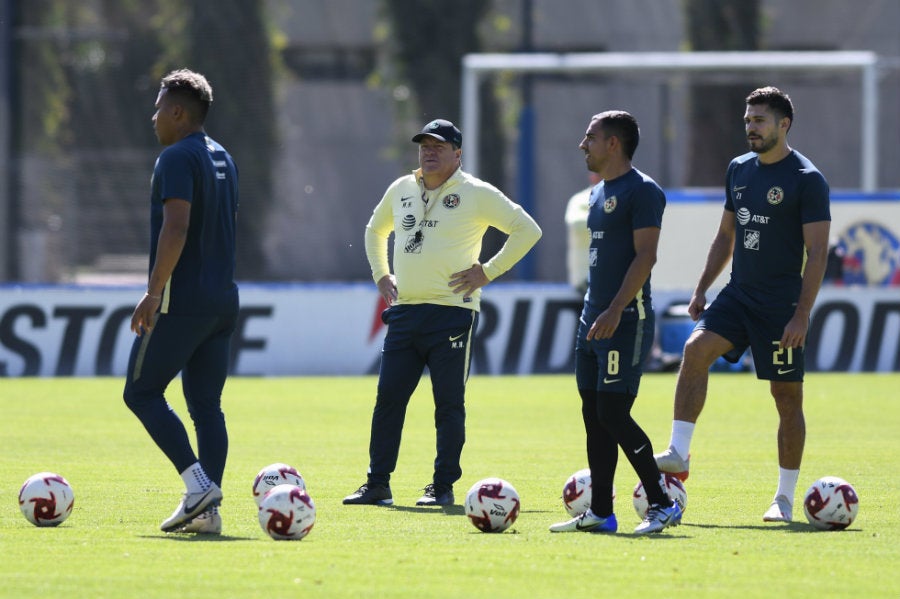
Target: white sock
682, 431
787, 483
195, 478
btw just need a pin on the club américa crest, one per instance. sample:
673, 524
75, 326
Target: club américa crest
775, 195
451, 201
609, 204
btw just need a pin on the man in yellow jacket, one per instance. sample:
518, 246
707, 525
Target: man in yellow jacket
439, 215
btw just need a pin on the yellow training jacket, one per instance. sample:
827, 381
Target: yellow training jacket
434, 239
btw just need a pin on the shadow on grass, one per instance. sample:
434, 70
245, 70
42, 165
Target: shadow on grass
447, 510
658, 537
197, 538
792, 527
669, 534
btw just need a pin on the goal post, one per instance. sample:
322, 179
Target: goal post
477, 66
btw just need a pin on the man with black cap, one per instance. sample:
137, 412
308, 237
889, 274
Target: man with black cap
439, 215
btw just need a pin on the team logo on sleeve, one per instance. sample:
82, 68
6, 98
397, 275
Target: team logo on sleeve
610, 204
451, 201
775, 195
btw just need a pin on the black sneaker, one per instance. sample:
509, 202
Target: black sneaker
437, 495
370, 494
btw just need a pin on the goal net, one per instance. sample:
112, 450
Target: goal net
674, 65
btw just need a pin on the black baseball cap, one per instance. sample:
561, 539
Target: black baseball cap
442, 130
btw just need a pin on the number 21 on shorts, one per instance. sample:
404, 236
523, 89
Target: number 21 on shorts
782, 356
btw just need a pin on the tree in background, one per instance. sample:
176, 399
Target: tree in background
35, 123
80, 83
243, 114
717, 108
85, 80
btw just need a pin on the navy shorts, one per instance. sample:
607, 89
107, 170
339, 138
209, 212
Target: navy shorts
760, 330
614, 365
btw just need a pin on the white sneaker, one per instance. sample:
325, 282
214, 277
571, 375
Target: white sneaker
587, 522
658, 518
781, 510
207, 523
192, 505
669, 461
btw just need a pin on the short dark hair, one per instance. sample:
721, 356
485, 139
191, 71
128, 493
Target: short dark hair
777, 101
621, 124
191, 89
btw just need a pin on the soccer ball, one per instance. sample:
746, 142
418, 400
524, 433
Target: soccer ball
492, 505
831, 503
674, 489
287, 513
274, 475
46, 499
576, 493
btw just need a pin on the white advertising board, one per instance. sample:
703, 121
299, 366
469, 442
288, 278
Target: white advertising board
335, 329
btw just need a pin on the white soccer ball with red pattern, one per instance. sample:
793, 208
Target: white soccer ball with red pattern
831, 503
46, 499
674, 489
577, 493
492, 505
287, 513
273, 475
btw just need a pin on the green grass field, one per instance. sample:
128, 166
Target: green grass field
524, 429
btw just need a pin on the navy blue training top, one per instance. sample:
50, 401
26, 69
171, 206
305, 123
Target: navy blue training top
200, 171
771, 203
615, 209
